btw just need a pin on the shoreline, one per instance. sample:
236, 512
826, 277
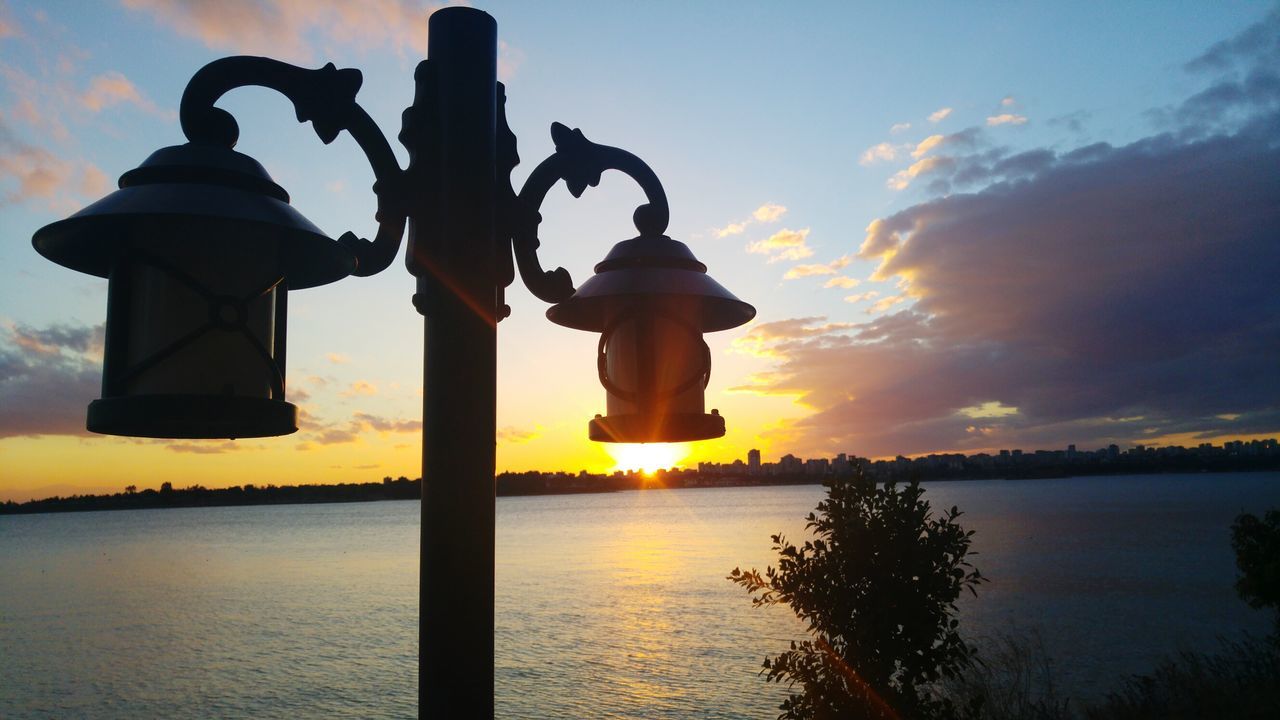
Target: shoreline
559, 484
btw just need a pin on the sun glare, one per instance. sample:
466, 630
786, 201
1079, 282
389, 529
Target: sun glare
647, 457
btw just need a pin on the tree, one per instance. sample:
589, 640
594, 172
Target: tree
1257, 546
877, 586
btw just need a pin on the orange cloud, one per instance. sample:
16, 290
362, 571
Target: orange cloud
360, 387
515, 435
868, 295
842, 281
831, 268
901, 180
926, 145
731, 229
766, 213
783, 245
939, 115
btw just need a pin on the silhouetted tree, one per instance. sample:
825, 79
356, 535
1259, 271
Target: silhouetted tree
877, 586
166, 487
130, 489
1257, 546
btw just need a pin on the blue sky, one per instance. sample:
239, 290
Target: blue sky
782, 133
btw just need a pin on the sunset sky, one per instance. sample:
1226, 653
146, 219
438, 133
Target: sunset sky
965, 226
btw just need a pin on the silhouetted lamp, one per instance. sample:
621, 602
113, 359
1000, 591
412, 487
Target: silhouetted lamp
201, 249
651, 301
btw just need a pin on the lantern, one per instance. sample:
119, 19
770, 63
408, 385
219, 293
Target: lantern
201, 248
651, 301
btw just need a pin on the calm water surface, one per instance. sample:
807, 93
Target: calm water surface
610, 606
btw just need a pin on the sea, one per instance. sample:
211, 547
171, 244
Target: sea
612, 605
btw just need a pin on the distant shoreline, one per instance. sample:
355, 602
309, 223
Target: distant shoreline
511, 485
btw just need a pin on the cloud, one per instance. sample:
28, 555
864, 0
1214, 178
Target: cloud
926, 145
337, 358
8, 28
39, 174
1097, 295
939, 115
48, 376
767, 213
1257, 46
785, 244
899, 128
1008, 101
386, 425
1119, 285
513, 435
886, 302
360, 387
1006, 119
831, 268
862, 297
29, 173
203, 448
881, 152
113, 88
901, 180
509, 60
731, 229
842, 282
773, 338
294, 30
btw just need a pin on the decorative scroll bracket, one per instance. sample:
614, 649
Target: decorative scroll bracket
327, 98
580, 163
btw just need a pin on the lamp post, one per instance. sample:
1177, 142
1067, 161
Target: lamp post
202, 248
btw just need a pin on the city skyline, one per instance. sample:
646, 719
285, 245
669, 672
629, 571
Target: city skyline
962, 234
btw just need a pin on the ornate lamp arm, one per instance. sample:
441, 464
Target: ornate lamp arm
579, 162
326, 97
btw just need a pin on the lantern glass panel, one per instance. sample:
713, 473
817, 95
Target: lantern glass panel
200, 312
657, 360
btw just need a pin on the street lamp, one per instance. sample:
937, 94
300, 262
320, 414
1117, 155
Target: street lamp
201, 249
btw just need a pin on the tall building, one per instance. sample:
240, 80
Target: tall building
753, 462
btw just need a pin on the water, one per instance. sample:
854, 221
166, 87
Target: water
610, 606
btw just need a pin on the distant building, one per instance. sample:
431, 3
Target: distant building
790, 464
841, 465
753, 462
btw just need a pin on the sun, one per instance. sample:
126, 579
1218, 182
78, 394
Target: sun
647, 457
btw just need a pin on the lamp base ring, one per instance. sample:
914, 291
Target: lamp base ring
675, 427
192, 416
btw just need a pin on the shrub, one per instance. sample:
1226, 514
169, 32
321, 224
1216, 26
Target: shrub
877, 586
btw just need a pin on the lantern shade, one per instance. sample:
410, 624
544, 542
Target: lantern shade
643, 267
196, 185
200, 247
652, 300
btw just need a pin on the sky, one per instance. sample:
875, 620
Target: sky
964, 226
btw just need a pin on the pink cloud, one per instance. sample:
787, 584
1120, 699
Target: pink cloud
47, 378
293, 29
